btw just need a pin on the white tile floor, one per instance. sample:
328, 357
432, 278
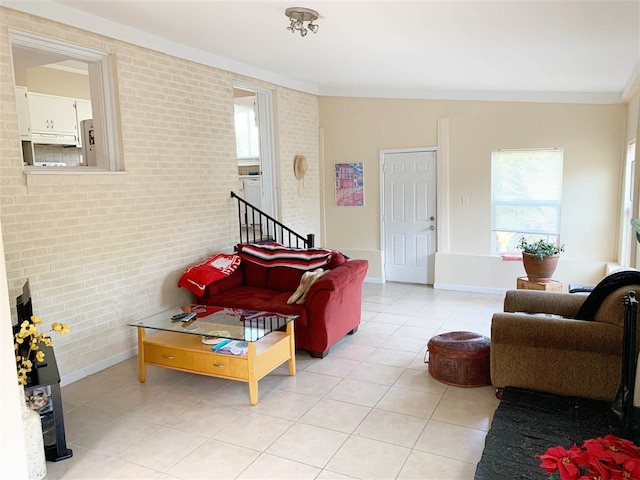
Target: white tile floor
368, 410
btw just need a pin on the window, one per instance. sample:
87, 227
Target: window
247, 138
627, 206
526, 190
39, 64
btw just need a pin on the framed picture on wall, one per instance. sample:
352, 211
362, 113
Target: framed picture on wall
349, 179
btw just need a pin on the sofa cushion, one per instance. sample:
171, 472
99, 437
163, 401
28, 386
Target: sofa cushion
254, 275
284, 279
257, 298
337, 258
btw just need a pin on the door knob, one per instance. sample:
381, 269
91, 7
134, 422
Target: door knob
432, 218
432, 227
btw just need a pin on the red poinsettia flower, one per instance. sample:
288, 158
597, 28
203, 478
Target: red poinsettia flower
622, 445
602, 458
597, 471
630, 470
611, 449
565, 462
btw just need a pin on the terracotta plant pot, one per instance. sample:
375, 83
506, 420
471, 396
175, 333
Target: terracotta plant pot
539, 270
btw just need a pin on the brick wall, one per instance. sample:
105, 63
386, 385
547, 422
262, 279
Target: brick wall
104, 250
298, 128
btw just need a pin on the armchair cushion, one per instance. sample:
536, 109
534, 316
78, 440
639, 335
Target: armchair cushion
556, 334
535, 301
602, 292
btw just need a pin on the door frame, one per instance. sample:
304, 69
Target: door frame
268, 164
384, 152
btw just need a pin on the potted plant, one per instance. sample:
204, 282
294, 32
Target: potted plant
540, 258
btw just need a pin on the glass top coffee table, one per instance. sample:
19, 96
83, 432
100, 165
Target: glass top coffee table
256, 346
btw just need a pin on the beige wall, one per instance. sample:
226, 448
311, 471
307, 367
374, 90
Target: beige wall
298, 134
591, 136
104, 250
55, 82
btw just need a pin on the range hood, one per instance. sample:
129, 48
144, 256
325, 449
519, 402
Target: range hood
53, 139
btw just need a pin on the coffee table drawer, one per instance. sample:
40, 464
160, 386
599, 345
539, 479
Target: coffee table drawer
223, 365
171, 357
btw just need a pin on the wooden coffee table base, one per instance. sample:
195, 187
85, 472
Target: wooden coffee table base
188, 354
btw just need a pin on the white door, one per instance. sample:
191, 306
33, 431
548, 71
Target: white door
409, 216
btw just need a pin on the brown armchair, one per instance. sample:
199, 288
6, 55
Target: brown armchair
560, 353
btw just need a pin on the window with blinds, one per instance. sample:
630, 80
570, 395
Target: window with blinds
526, 194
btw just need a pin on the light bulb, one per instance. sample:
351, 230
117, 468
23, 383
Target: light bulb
303, 32
313, 27
298, 25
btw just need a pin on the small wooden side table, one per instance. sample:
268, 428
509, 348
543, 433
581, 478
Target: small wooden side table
524, 283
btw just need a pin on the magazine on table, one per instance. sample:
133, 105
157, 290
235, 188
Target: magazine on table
232, 347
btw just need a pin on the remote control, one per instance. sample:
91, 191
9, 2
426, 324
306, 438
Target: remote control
188, 317
178, 316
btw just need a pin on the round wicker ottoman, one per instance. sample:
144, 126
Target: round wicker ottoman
460, 359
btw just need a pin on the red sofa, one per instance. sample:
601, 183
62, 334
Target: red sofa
331, 310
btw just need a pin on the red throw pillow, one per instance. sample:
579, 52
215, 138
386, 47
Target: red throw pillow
197, 277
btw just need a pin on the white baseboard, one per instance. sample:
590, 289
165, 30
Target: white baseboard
373, 280
97, 367
470, 288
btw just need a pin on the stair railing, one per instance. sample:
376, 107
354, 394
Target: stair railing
256, 226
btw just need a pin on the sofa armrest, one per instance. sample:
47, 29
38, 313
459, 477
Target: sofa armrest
340, 277
220, 286
535, 331
334, 304
534, 301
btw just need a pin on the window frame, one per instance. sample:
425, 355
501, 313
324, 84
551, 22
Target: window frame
627, 233
530, 234
103, 98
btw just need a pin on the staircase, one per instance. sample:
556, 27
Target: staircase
256, 226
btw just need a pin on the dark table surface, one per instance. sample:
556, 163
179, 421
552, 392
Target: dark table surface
527, 423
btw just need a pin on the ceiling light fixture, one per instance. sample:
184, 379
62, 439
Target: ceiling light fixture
299, 15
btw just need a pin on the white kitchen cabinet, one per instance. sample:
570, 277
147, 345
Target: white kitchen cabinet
53, 119
83, 112
23, 113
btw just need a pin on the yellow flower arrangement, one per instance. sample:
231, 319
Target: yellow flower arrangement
27, 345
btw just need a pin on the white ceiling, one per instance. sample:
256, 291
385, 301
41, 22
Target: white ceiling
544, 50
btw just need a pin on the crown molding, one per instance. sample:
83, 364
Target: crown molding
477, 95
633, 84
